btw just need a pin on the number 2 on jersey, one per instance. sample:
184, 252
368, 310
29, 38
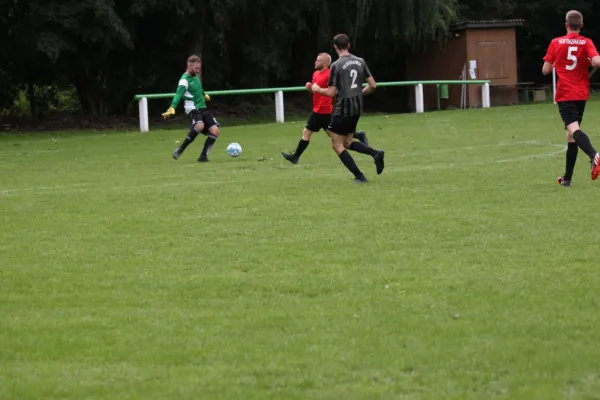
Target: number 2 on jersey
572, 57
354, 75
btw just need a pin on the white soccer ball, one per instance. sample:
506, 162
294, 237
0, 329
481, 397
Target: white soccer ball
234, 149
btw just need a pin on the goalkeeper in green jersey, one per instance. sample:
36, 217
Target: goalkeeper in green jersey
194, 102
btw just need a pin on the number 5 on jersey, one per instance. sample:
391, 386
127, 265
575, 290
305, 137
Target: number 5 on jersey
572, 57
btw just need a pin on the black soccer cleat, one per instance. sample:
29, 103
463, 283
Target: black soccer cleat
362, 137
379, 161
563, 182
177, 154
290, 157
203, 159
361, 179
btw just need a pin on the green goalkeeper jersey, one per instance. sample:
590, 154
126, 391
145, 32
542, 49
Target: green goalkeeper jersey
191, 90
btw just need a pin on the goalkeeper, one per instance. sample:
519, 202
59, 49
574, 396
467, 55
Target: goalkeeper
201, 120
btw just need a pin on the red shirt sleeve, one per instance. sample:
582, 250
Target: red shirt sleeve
551, 53
591, 49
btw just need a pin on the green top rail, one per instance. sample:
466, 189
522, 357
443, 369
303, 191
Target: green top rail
300, 88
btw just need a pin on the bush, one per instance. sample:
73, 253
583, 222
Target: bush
48, 99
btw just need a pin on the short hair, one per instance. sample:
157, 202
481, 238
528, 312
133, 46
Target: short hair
341, 41
327, 58
574, 19
193, 60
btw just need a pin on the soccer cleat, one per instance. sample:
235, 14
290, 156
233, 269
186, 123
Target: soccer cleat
360, 179
362, 137
563, 182
290, 157
379, 161
596, 167
203, 159
177, 153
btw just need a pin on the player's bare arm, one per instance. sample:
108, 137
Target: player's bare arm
329, 91
371, 86
547, 68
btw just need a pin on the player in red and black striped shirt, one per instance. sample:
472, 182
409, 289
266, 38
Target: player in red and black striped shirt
322, 109
572, 55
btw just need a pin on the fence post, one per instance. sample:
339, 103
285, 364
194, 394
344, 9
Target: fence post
485, 95
554, 84
279, 114
420, 105
144, 124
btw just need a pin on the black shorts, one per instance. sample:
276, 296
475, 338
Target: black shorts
204, 116
317, 121
343, 125
571, 111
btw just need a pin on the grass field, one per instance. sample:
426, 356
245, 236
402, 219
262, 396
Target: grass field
462, 272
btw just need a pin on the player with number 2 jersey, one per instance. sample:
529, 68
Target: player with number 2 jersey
346, 84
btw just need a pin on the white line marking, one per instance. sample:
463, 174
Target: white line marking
137, 185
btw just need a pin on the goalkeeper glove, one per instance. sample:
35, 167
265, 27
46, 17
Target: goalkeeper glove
168, 113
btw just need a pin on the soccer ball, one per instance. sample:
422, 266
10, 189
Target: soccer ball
234, 149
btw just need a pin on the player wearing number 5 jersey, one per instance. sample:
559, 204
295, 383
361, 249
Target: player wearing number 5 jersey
346, 84
571, 56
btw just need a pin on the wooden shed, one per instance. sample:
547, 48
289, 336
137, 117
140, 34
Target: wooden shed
475, 50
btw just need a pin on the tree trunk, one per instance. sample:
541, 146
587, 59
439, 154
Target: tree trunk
31, 96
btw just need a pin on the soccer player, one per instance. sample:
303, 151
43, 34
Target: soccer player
571, 55
201, 120
345, 84
322, 109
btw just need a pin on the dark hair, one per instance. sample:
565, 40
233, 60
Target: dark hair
575, 20
193, 60
341, 41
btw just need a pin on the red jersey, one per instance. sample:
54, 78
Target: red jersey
569, 55
322, 104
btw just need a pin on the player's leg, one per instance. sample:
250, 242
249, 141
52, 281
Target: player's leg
359, 147
348, 140
567, 112
572, 113
338, 144
362, 137
571, 159
212, 131
570, 116
340, 132
196, 127
304, 142
313, 124
302, 145
595, 160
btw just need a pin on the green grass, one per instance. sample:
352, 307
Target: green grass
462, 272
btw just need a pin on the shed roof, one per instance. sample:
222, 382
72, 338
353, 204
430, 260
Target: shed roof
503, 23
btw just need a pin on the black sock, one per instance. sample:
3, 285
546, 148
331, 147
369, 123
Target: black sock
572, 151
362, 148
349, 163
189, 139
208, 145
302, 145
583, 141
